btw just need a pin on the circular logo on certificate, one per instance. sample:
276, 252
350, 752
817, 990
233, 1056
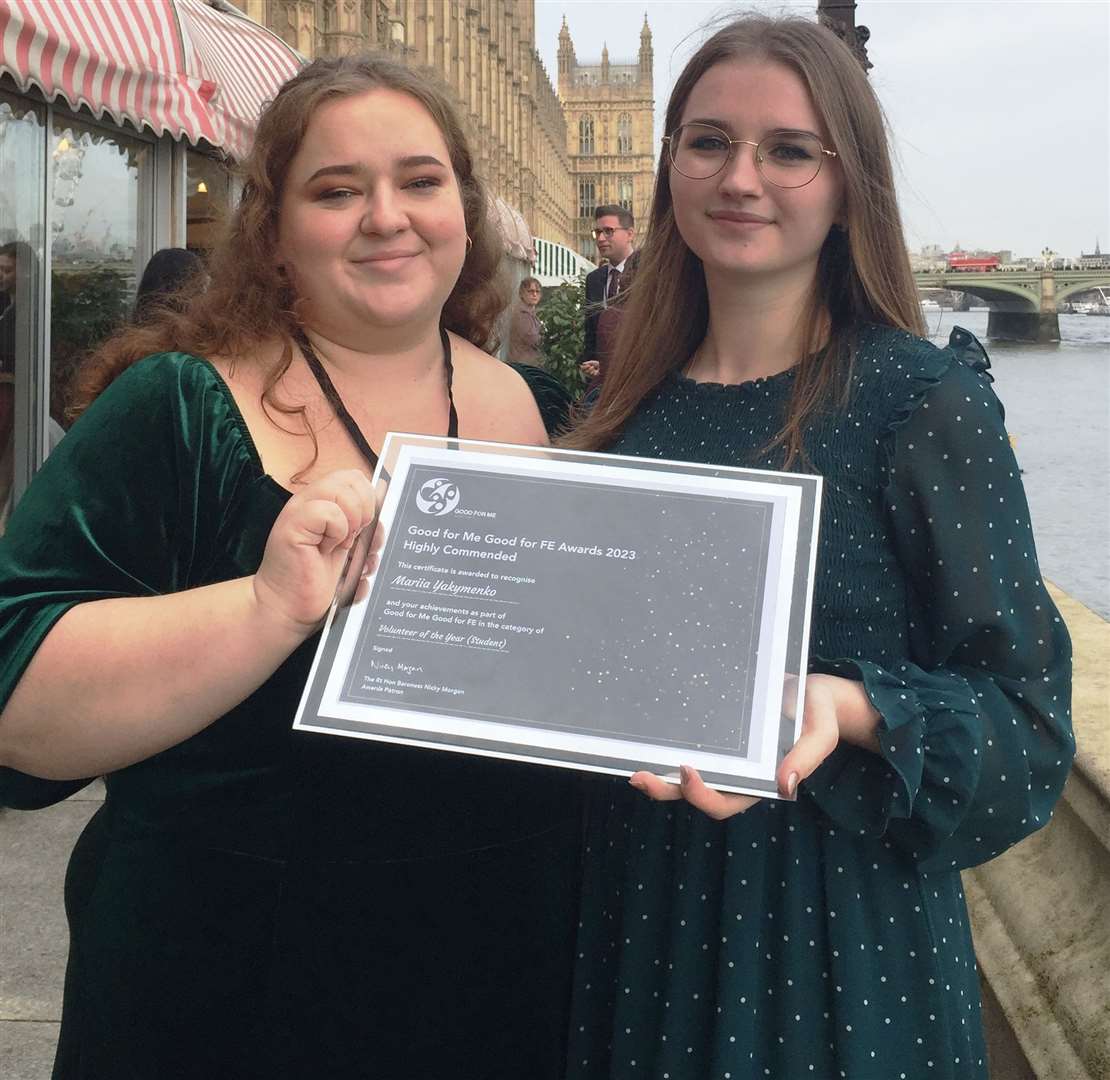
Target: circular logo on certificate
437, 497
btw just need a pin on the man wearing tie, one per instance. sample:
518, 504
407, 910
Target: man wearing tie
614, 232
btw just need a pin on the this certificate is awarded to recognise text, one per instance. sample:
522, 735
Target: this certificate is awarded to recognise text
582, 610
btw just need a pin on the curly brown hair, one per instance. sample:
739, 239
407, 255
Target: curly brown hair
248, 301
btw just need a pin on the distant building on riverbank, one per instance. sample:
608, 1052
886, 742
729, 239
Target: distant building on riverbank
930, 257
1094, 260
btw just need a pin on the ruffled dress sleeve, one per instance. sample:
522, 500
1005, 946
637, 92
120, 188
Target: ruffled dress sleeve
129, 504
975, 733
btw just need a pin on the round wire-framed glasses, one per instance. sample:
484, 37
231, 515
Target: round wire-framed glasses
787, 159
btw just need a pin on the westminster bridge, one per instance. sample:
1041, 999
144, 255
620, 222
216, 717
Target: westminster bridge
1023, 303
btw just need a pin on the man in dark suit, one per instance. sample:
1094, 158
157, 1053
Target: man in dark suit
614, 232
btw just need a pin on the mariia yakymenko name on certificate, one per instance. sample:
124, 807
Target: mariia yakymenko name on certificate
582, 610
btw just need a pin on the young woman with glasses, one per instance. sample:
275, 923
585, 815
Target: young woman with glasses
774, 323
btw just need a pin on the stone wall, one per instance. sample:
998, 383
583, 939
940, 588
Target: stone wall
1040, 913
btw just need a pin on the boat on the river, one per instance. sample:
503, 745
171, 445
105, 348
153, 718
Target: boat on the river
1101, 306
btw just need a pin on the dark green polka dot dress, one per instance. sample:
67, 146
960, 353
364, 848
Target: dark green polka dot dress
829, 938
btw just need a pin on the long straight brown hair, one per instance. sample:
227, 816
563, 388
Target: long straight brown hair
248, 301
863, 272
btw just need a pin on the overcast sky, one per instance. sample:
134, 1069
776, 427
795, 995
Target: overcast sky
999, 109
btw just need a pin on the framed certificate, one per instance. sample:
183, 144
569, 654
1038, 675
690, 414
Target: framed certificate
590, 611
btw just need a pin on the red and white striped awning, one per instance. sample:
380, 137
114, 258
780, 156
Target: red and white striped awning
195, 69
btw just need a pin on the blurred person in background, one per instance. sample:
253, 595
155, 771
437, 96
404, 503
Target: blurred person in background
169, 271
18, 271
608, 322
615, 235
526, 332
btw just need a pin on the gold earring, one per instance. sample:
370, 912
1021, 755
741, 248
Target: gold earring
469, 242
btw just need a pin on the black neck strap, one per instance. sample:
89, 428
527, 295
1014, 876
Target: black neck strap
340, 410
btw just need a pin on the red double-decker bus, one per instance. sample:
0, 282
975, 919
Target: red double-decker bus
972, 263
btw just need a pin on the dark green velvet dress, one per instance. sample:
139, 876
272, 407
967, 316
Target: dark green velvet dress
257, 902
829, 938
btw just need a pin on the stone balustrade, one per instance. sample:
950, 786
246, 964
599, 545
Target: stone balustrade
1040, 913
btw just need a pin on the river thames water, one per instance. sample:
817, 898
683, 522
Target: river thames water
1057, 400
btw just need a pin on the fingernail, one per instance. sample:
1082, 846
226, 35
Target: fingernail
685, 774
792, 783
637, 784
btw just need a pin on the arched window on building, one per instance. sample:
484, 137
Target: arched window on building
586, 135
624, 190
624, 134
587, 198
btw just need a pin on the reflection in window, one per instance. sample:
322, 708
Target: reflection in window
97, 249
586, 135
21, 250
624, 134
207, 198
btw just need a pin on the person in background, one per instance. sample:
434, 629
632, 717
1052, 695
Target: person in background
775, 324
9, 271
526, 358
12, 255
252, 902
18, 273
608, 322
615, 234
168, 272
526, 332
18, 270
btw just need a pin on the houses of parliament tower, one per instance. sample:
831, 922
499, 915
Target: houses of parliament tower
610, 131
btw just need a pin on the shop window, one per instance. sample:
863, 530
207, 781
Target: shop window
207, 200
98, 245
22, 139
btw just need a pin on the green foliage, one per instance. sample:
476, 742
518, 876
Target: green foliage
86, 307
560, 313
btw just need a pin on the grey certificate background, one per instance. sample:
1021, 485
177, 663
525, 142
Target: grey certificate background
660, 649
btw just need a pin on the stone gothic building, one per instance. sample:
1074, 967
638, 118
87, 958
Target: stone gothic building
526, 140
485, 51
610, 132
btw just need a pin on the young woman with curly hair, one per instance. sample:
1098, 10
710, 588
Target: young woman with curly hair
252, 902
